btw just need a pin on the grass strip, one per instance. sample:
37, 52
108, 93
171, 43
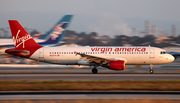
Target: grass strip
62, 85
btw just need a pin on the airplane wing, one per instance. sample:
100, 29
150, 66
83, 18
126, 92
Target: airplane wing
174, 51
99, 60
175, 44
4, 46
92, 58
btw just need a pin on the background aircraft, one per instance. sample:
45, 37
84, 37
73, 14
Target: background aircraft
52, 38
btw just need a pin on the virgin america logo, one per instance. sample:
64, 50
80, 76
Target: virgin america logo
20, 40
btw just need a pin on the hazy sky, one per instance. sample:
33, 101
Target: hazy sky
107, 17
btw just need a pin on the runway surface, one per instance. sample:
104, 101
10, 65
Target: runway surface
52, 68
60, 72
32, 77
33, 95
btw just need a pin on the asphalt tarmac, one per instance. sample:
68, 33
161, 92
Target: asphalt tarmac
33, 95
24, 72
75, 77
60, 72
172, 68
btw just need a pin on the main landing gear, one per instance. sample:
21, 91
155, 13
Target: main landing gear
151, 69
94, 70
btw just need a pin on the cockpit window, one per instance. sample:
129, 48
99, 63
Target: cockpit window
163, 52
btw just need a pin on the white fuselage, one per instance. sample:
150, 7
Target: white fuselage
131, 55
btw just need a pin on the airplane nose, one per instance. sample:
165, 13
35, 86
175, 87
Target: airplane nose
171, 58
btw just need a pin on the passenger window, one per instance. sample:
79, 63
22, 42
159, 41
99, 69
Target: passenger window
64, 52
109, 52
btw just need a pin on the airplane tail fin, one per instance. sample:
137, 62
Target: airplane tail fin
21, 37
57, 32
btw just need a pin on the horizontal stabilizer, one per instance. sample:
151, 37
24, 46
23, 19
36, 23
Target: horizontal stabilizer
19, 51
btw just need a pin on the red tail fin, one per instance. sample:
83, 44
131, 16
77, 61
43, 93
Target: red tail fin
21, 37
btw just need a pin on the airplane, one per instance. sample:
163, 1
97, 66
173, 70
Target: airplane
36, 36
52, 38
111, 57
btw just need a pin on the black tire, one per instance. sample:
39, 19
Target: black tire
94, 71
151, 71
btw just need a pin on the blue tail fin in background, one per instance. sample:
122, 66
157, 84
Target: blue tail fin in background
57, 32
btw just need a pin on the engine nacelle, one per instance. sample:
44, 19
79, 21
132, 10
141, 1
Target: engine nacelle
115, 65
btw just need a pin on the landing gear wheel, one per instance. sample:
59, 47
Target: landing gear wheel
151, 71
94, 71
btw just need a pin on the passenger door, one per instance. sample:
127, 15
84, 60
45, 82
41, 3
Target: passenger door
41, 54
151, 53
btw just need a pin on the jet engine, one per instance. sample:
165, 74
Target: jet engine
115, 65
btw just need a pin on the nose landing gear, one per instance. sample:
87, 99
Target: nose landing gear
94, 71
151, 69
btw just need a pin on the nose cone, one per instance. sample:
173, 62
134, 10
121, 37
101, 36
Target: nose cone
170, 58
